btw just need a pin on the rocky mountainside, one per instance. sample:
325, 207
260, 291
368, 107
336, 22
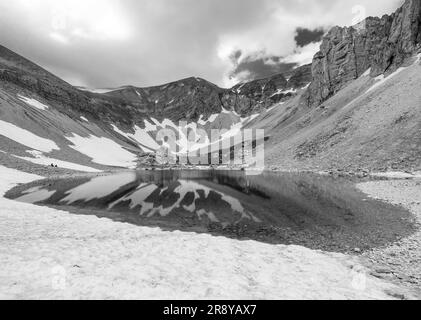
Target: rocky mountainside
379, 45
186, 99
82, 125
363, 106
267, 92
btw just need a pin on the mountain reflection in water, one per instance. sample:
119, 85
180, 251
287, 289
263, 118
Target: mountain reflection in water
279, 208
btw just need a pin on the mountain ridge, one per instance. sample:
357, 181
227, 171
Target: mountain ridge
195, 96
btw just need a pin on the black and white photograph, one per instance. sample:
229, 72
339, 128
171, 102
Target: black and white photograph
189, 151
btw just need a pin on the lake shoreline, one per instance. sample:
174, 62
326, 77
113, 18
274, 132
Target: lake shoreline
388, 263
101, 259
399, 262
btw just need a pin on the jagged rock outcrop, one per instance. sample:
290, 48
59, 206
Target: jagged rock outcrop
381, 44
190, 98
264, 93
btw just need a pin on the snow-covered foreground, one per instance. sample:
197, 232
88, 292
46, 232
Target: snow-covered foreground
46, 253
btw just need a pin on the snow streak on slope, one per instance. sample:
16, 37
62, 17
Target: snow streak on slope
103, 151
380, 80
142, 137
99, 91
26, 138
33, 103
284, 92
383, 79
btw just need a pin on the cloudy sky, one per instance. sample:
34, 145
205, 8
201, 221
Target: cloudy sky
109, 43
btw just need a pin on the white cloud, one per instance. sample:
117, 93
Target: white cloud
108, 43
231, 81
304, 55
69, 20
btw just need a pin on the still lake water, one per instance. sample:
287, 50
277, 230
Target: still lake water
316, 211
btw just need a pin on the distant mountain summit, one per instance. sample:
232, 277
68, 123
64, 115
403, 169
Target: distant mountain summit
187, 99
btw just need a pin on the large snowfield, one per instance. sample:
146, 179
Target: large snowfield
52, 254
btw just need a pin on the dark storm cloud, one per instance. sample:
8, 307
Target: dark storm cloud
260, 68
108, 43
305, 36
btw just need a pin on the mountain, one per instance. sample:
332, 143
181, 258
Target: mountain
379, 45
358, 105
186, 99
363, 107
37, 105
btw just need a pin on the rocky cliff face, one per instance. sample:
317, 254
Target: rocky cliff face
381, 44
260, 94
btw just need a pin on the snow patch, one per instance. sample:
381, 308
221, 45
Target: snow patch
103, 151
283, 92
213, 118
382, 79
33, 103
367, 73
306, 86
240, 87
251, 118
225, 111
149, 127
396, 175
141, 137
99, 91
26, 138
418, 58
201, 121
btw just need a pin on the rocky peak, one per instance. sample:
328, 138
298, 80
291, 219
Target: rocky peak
381, 44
